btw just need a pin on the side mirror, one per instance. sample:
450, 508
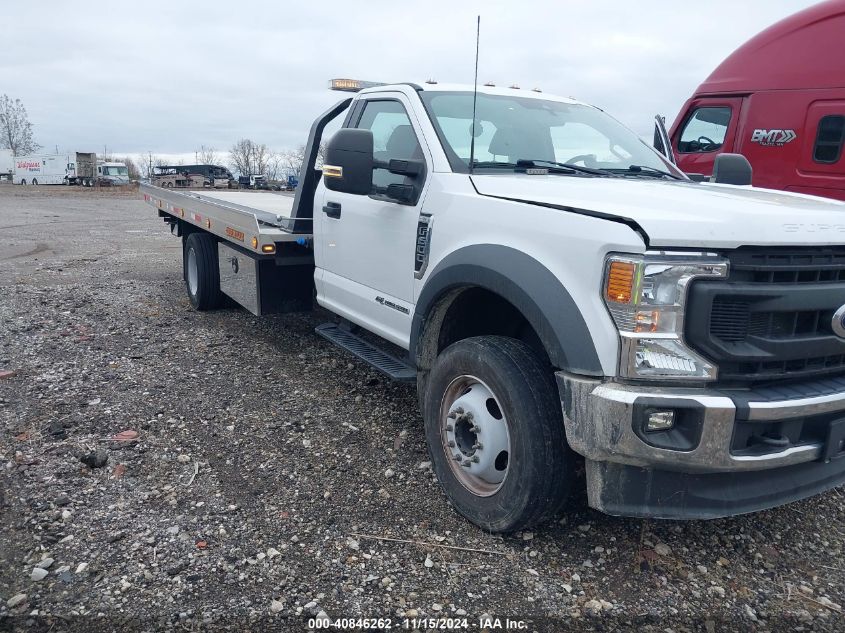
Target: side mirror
731, 169
348, 166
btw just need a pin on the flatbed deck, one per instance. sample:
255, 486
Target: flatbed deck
250, 219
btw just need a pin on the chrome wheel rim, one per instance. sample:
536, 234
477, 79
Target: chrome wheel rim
193, 275
475, 435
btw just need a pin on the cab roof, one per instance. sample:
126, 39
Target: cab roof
804, 50
482, 89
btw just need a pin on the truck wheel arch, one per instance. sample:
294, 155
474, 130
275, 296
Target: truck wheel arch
522, 281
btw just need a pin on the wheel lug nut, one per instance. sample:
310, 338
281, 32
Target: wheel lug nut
450, 427
458, 457
452, 415
466, 464
474, 459
478, 446
451, 444
474, 428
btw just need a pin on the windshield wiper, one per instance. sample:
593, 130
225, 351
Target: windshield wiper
575, 168
646, 170
486, 164
523, 165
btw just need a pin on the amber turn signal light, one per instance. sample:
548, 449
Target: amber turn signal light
620, 282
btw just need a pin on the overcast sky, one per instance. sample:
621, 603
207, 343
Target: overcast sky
167, 77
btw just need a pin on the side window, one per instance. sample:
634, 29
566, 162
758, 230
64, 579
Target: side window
829, 139
705, 130
393, 137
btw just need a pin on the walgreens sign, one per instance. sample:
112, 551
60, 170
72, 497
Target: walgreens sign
29, 165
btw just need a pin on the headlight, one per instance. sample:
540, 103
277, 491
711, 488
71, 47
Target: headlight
646, 296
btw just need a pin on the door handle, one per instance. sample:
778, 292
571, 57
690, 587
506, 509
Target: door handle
332, 209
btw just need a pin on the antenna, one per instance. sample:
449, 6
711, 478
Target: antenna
474, 97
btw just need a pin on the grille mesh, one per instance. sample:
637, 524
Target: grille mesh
756, 330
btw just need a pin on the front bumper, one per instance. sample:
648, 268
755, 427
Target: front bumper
704, 474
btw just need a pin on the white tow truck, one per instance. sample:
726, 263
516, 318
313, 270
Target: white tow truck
560, 292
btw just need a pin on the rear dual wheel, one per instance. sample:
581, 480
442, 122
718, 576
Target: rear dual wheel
495, 432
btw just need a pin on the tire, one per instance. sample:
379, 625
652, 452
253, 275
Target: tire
538, 464
34, 181
23, 182
202, 277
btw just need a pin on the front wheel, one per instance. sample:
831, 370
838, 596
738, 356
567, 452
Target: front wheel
202, 276
23, 182
495, 432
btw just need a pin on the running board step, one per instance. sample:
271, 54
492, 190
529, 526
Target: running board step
386, 363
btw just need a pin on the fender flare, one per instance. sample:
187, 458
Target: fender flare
526, 284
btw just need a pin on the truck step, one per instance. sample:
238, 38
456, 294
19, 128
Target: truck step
379, 359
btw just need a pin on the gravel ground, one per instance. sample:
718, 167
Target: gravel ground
266, 462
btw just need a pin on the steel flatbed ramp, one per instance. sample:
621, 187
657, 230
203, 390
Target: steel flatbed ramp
275, 204
252, 220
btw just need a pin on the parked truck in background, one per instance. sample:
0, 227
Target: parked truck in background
6, 164
112, 173
561, 294
41, 169
779, 100
253, 181
82, 169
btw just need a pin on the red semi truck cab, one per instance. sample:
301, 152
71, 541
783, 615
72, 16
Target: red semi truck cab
779, 100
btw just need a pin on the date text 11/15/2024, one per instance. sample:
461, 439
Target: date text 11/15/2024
416, 624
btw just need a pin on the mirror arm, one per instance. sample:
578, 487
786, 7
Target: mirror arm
399, 167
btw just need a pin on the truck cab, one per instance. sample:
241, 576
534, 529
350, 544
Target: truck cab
787, 118
112, 173
561, 294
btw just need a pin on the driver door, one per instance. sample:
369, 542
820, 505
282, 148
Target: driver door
708, 129
365, 263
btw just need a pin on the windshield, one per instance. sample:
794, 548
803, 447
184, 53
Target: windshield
115, 171
512, 128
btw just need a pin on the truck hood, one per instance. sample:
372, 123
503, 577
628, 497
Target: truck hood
675, 213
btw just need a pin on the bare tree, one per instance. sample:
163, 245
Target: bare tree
294, 158
207, 156
239, 156
276, 166
15, 128
148, 163
248, 157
